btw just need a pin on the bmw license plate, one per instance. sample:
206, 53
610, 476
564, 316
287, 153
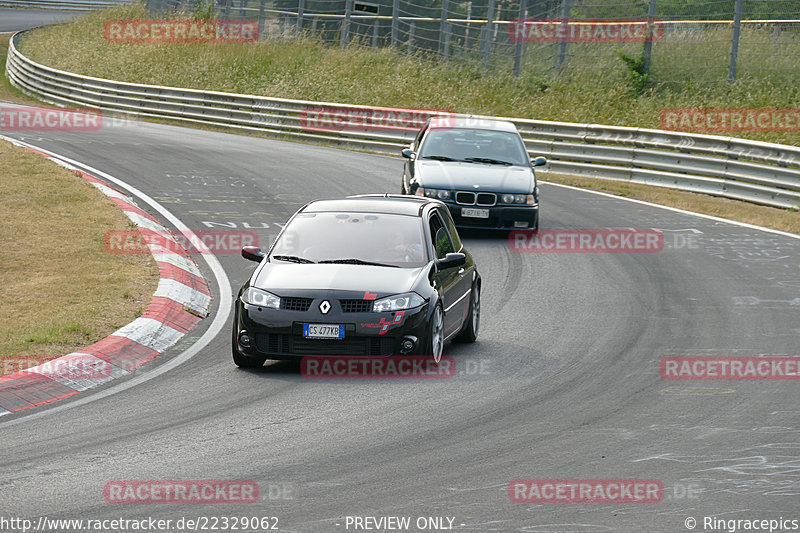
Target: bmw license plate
323, 331
474, 213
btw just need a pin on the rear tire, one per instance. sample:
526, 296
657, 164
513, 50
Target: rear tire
471, 327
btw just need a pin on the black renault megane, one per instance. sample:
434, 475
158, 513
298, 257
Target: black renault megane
371, 275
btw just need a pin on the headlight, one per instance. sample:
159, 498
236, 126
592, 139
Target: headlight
441, 194
398, 302
253, 296
517, 199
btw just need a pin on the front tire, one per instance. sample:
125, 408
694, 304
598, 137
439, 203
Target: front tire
435, 341
470, 331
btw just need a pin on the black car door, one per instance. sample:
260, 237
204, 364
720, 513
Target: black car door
450, 281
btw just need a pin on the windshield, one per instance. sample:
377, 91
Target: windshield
352, 238
478, 145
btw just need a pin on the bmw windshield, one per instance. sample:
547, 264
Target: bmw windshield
370, 239
474, 146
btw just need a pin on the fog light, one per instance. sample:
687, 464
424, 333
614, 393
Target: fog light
407, 344
520, 223
244, 339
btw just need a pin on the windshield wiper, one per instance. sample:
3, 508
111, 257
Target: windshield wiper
356, 262
487, 160
439, 157
292, 259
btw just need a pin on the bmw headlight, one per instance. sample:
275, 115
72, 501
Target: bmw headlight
518, 199
253, 296
398, 302
440, 194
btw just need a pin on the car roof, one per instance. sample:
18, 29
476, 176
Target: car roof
472, 122
395, 204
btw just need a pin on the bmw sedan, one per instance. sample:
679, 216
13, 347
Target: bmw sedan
479, 168
371, 275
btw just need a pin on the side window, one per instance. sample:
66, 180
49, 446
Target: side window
451, 228
441, 239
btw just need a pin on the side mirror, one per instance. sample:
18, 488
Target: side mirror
253, 253
452, 260
407, 153
539, 161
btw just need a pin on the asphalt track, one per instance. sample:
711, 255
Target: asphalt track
21, 19
569, 387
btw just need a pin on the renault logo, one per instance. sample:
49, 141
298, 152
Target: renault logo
325, 306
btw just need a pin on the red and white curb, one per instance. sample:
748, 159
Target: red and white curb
181, 300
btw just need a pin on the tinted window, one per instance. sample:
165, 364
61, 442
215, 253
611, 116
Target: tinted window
461, 143
451, 228
380, 238
440, 238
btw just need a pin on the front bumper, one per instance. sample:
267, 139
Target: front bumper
504, 217
278, 333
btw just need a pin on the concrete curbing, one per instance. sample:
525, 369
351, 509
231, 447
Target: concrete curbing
181, 300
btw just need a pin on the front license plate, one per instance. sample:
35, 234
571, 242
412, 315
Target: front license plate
474, 213
323, 331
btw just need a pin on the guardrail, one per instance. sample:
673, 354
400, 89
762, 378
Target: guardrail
66, 5
759, 172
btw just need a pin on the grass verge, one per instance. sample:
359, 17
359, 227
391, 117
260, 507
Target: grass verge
61, 290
